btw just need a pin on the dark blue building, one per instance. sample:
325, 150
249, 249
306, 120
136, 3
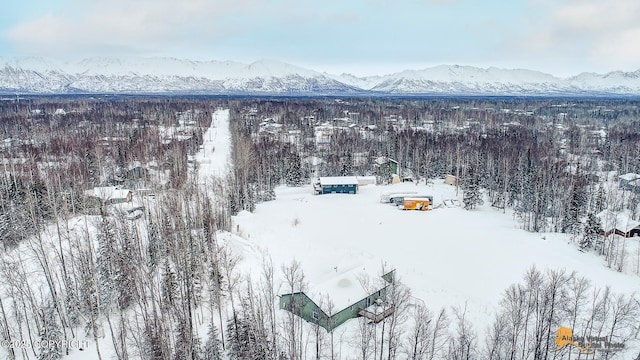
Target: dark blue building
336, 185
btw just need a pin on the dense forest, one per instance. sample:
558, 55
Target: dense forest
546, 159
157, 281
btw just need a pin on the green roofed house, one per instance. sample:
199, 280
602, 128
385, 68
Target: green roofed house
350, 299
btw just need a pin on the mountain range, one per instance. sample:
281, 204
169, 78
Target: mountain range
268, 77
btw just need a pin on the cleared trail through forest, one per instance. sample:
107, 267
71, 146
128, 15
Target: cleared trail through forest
214, 154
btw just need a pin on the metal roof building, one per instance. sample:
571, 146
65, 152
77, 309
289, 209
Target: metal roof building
336, 185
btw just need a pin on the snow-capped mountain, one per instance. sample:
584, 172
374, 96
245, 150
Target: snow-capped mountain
472, 80
163, 75
170, 75
616, 82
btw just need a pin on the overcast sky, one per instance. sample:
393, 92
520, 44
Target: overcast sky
561, 37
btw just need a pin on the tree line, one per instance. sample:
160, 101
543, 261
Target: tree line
550, 161
168, 285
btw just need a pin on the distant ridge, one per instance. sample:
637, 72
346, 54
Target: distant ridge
169, 75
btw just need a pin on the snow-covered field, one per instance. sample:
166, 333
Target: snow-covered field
447, 256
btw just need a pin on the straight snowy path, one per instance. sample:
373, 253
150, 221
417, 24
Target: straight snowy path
213, 157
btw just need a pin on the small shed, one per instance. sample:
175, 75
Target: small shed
336, 185
366, 180
393, 166
450, 180
390, 164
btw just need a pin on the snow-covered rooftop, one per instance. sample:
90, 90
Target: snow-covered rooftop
629, 176
108, 192
338, 180
619, 220
346, 283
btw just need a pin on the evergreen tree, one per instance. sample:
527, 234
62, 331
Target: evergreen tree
383, 173
10, 226
153, 344
238, 339
601, 200
212, 347
38, 195
91, 162
50, 336
294, 175
185, 342
72, 303
573, 210
169, 284
471, 191
106, 262
268, 195
591, 232
13, 212
522, 190
196, 349
346, 164
154, 249
244, 343
126, 270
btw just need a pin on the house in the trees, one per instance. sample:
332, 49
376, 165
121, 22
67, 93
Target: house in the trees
629, 181
634, 186
618, 223
336, 185
386, 163
348, 297
109, 195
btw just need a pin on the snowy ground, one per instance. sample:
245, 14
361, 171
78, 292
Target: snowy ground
447, 256
213, 157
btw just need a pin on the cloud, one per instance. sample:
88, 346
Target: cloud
414, 3
622, 50
159, 27
593, 17
585, 33
127, 24
566, 36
